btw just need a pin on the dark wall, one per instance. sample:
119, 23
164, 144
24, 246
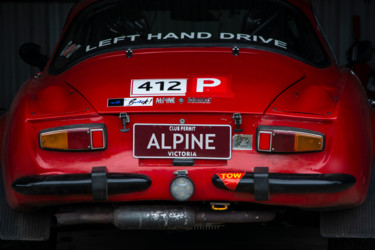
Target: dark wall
42, 21
21, 22
336, 17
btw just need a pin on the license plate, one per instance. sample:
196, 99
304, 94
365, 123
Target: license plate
182, 141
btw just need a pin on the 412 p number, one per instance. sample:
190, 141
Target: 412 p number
158, 87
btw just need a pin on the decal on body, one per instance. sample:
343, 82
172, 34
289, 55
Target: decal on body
69, 49
231, 180
185, 36
158, 87
165, 100
130, 102
179, 87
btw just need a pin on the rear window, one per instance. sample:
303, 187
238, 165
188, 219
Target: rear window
119, 25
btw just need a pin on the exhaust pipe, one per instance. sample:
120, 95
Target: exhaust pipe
160, 217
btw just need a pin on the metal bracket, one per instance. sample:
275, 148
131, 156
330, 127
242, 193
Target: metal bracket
183, 162
235, 51
181, 173
125, 120
129, 53
99, 183
261, 184
237, 121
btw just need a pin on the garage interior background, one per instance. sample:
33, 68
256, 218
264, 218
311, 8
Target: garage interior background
42, 21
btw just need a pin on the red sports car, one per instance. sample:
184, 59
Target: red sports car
172, 114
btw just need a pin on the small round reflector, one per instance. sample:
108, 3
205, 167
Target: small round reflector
182, 188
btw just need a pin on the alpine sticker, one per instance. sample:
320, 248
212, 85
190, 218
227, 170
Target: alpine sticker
130, 102
165, 100
231, 180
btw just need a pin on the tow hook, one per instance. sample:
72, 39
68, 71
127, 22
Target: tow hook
219, 206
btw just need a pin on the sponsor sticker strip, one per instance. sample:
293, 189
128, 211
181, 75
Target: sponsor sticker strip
142, 91
130, 102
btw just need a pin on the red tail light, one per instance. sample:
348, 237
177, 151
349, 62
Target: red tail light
288, 140
97, 138
74, 138
265, 141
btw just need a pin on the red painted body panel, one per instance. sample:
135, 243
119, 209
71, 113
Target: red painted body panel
187, 63
266, 88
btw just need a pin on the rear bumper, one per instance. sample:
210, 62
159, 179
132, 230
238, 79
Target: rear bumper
99, 183
261, 183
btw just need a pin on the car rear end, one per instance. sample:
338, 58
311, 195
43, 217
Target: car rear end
183, 123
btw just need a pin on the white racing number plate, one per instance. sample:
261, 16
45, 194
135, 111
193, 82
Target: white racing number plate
158, 87
182, 141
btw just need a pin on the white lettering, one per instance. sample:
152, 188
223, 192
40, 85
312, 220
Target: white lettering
165, 100
174, 128
105, 42
204, 35
188, 141
89, 49
116, 39
151, 36
194, 140
163, 146
190, 36
178, 140
153, 142
170, 35
182, 154
207, 83
281, 44
208, 141
226, 36
264, 40
132, 37
244, 36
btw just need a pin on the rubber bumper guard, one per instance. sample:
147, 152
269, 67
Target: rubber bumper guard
261, 183
99, 184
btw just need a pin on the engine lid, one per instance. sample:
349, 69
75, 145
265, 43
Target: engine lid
183, 80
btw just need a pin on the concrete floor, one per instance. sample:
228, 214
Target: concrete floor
259, 237
276, 236
294, 231
297, 230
